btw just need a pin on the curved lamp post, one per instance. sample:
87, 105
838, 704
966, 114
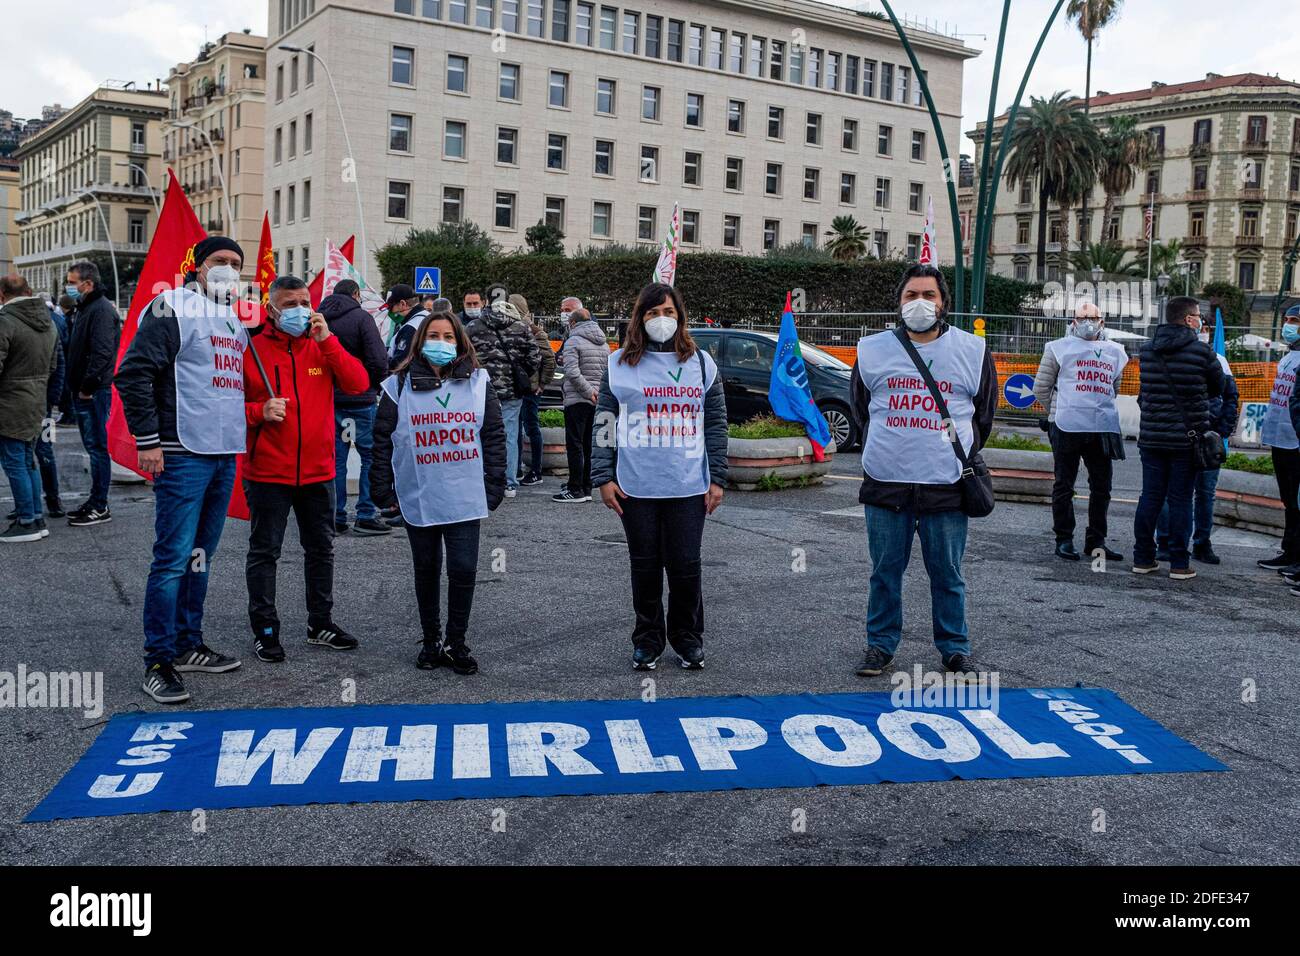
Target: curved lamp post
112, 252
221, 173
1288, 272
153, 194
988, 184
356, 180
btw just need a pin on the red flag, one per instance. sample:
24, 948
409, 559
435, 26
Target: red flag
316, 288
265, 260
171, 255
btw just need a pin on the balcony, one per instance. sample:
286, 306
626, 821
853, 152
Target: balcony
1254, 145
1193, 242
1197, 195
1199, 149
1252, 194
1250, 242
218, 135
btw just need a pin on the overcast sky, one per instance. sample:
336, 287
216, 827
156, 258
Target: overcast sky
59, 50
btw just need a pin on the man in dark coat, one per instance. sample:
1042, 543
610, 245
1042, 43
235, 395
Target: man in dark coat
92, 360
1180, 377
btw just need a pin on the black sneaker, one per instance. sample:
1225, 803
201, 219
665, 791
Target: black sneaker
874, 662
1275, 563
21, 532
456, 656
1290, 571
90, 517
962, 666
163, 684
1205, 554
371, 526
332, 636
79, 511
691, 658
205, 660
54, 509
532, 478
645, 658
570, 497
1296, 590
340, 527
268, 648
431, 656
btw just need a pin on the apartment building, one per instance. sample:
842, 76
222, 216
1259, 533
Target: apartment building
764, 120
213, 137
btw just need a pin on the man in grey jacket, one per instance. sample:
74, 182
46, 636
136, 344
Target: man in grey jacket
585, 356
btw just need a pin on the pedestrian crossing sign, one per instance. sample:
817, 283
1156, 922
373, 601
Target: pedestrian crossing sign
428, 280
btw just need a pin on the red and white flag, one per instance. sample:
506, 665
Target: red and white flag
1147, 218
927, 234
339, 267
666, 267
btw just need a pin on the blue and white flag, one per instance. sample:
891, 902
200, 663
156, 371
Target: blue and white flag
789, 392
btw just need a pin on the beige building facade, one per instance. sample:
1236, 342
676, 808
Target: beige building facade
1224, 181
86, 178
763, 120
215, 128
9, 206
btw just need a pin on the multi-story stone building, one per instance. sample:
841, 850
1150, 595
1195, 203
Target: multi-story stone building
763, 119
214, 129
1224, 180
86, 177
9, 204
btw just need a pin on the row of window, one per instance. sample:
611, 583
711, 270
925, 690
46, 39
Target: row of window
279, 139
293, 195
82, 227
627, 31
1248, 226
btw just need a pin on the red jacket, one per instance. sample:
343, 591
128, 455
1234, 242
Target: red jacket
300, 449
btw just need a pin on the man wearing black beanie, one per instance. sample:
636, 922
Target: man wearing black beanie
181, 382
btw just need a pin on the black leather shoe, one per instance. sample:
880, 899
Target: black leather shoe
1206, 555
1109, 553
1065, 549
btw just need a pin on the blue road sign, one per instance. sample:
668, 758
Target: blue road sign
428, 280
1019, 390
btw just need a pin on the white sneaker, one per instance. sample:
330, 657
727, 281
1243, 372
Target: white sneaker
510, 492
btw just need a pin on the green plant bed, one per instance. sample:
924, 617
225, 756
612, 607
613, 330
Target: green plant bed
1256, 465
774, 482
767, 426
1016, 442
550, 418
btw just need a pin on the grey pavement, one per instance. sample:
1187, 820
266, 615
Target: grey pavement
555, 625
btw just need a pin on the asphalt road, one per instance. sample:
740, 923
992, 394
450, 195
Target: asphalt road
555, 625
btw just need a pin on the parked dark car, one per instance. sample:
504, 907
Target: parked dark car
745, 360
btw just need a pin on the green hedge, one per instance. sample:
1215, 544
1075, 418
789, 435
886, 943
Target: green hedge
714, 285
1255, 464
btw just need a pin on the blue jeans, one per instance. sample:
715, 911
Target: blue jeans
191, 495
1202, 523
18, 458
1166, 476
510, 415
363, 420
530, 426
943, 544
92, 422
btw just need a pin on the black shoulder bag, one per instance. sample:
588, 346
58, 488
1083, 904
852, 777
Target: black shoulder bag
1207, 447
976, 482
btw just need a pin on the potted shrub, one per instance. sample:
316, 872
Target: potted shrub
555, 459
767, 453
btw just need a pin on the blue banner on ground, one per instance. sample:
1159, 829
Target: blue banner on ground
144, 763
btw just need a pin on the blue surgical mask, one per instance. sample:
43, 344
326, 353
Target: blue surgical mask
1291, 332
438, 352
73, 293
294, 320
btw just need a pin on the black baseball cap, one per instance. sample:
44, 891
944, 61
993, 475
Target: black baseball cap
400, 293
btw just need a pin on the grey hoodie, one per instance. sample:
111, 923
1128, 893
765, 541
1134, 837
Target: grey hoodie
585, 356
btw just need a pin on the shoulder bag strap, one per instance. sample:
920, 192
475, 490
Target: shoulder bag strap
1173, 390
924, 370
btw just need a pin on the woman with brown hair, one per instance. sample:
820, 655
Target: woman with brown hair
659, 459
440, 454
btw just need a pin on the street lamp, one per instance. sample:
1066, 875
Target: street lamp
153, 194
356, 181
112, 252
221, 174
1162, 283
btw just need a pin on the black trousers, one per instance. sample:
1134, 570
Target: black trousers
269, 505
427, 544
1286, 467
663, 537
1068, 449
578, 420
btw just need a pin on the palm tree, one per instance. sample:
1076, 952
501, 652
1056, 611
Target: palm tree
1055, 146
847, 239
1109, 257
1164, 258
1124, 150
1091, 16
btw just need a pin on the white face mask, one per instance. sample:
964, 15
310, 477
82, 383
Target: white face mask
919, 315
1204, 337
565, 316
223, 282
661, 328
1087, 328
473, 313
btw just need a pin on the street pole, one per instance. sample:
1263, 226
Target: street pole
221, 174
112, 252
347, 141
153, 194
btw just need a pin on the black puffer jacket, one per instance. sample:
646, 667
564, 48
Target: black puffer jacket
92, 346
1193, 380
359, 336
421, 377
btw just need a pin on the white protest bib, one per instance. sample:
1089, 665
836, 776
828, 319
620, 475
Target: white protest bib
1277, 431
438, 450
905, 438
661, 447
1085, 386
209, 371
